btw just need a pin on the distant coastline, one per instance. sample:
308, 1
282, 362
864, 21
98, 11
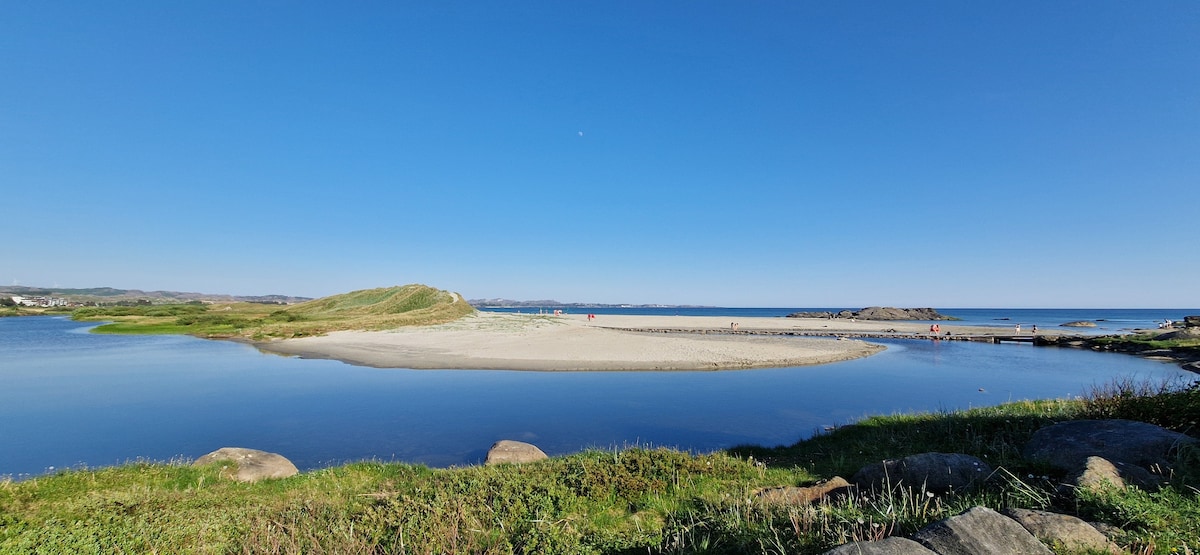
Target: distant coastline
548, 304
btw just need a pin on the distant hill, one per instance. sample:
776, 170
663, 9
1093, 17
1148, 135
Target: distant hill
106, 295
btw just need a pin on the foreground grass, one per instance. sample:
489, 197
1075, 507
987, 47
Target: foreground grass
372, 309
625, 502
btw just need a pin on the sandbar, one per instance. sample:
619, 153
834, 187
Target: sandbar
505, 341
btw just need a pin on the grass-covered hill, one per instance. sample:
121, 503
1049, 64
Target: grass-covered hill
371, 309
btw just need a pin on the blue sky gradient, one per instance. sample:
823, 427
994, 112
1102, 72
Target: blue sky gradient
949, 154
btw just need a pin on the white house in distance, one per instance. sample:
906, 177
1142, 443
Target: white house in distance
39, 301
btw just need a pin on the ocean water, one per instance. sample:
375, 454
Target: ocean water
1108, 320
69, 398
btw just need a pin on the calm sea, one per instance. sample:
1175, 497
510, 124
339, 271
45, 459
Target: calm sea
1108, 320
69, 398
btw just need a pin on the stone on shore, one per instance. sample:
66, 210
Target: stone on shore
887, 546
1079, 324
1067, 445
825, 315
513, 452
933, 472
1073, 533
979, 531
251, 465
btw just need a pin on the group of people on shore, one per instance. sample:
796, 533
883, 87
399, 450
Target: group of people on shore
936, 329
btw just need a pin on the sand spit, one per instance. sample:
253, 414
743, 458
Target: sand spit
501, 341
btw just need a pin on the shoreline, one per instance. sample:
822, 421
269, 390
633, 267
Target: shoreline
496, 341
573, 343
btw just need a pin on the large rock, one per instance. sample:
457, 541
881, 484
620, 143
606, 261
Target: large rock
1072, 533
886, 546
1067, 445
934, 472
1098, 473
823, 315
252, 465
878, 313
804, 495
1191, 321
1079, 324
890, 313
979, 531
514, 452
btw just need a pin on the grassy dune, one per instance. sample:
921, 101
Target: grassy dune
654, 501
371, 309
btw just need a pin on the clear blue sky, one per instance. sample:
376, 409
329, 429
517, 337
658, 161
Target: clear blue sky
930, 153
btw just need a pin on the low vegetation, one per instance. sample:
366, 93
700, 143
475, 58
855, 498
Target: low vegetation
1136, 343
17, 310
604, 502
372, 309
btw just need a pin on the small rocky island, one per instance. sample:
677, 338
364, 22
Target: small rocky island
878, 313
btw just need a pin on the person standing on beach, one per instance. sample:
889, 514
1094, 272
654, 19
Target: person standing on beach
1018, 329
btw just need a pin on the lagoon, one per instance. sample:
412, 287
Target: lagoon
69, 398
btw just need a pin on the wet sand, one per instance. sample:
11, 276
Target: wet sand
504, 341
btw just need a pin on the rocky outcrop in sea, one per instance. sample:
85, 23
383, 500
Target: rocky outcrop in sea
878, 313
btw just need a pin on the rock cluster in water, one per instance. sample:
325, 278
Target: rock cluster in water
878, 313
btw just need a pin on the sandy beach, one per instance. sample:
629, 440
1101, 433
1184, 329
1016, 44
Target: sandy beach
503, 341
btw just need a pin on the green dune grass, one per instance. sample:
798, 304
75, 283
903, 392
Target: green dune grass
371, 309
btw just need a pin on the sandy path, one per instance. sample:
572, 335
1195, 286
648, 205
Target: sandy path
488, 340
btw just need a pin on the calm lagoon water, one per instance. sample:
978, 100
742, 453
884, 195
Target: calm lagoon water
70, 398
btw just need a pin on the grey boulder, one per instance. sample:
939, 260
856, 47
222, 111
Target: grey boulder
1067, 445
979, 531
1073, 533
251, 465
933, 472
513, 452
1098, 473
886, 546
